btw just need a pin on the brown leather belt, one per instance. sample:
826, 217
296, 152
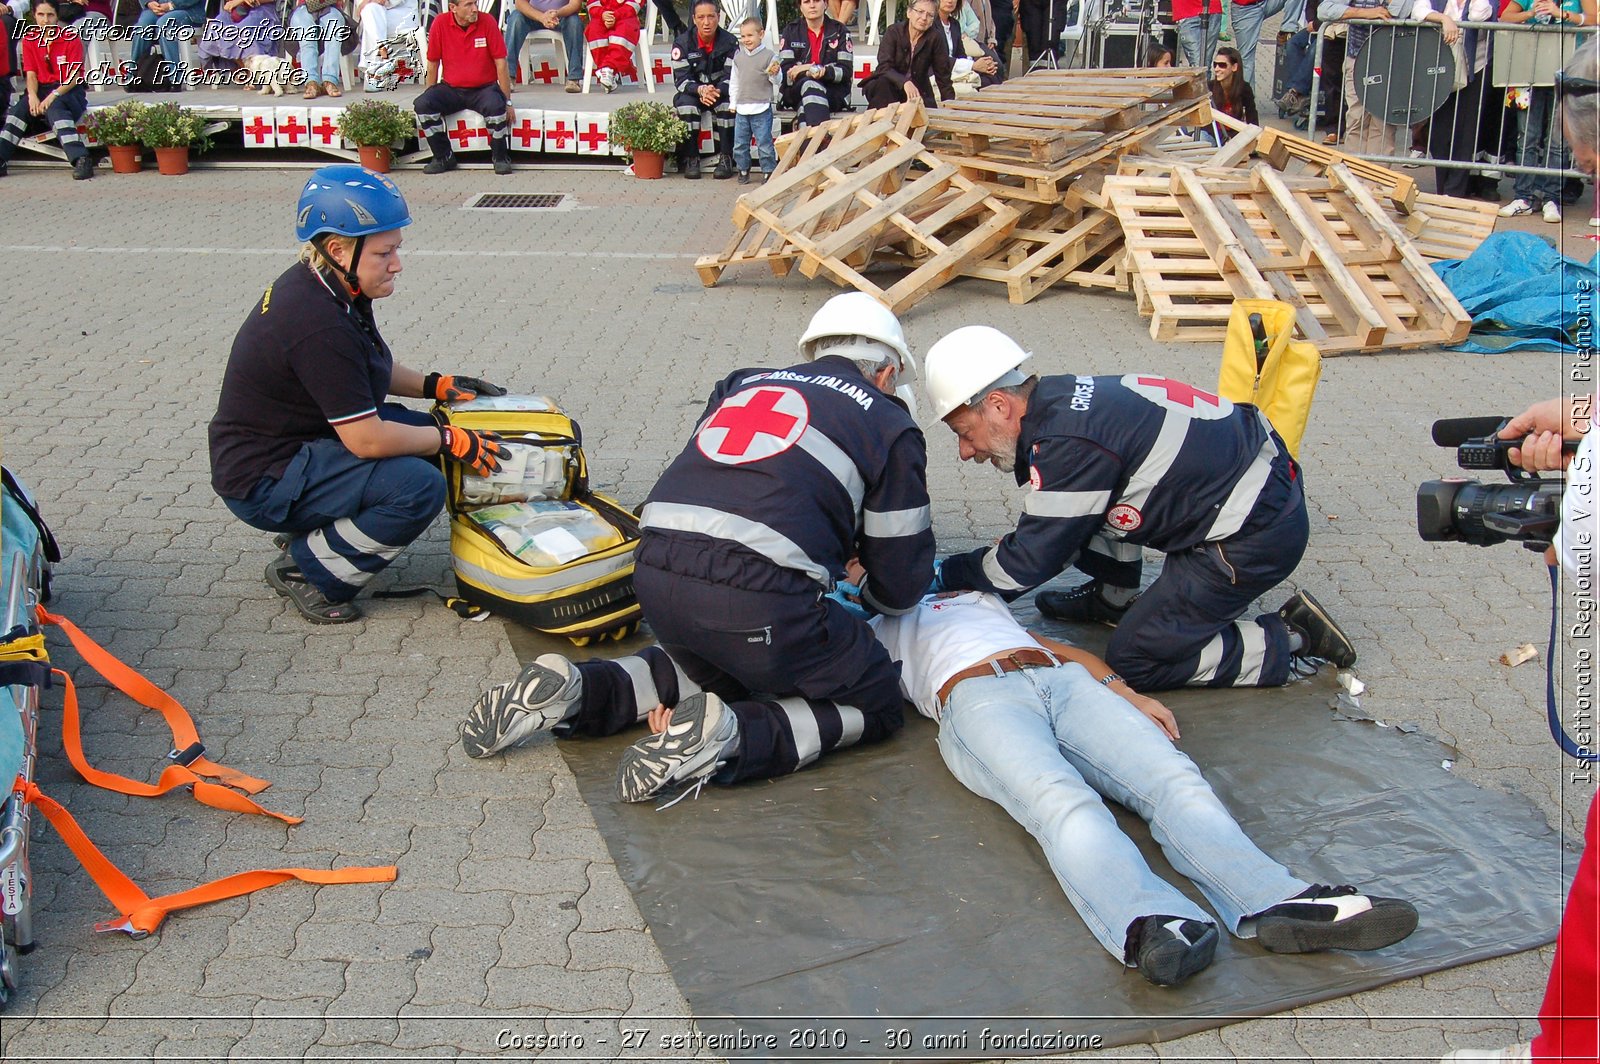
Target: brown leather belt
1010, 661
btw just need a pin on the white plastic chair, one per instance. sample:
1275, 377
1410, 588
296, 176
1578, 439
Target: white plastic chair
878, 17
535, 34
641, 54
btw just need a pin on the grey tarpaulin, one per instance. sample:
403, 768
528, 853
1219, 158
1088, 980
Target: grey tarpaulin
874, 886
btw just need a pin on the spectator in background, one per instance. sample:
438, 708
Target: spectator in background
1158, 55
816, 62
951, 24
563, 16
241, 29
911, 57
752, 77
321, 28
466, 71
1042, 24
702, 64
1231, 95
52, 64
1246, 17
1539, 141
842, 11
1199, 28
162, 21
1453, 130
1364, 133
613, 33
1297, 64
379, 21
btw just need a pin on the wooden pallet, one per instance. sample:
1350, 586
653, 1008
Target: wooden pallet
857, 198
753, 242
1055, 245
1195, 244
1046, 116
1010, 176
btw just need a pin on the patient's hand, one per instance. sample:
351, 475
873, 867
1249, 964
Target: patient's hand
1156, 712
658, 719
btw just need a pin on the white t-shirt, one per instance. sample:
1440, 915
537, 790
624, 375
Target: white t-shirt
943, 636
1577, 539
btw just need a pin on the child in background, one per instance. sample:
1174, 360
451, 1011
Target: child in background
755, 74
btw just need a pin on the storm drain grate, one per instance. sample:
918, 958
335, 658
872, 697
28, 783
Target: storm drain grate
513, 201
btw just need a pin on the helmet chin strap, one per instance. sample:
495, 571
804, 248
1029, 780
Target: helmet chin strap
346, 273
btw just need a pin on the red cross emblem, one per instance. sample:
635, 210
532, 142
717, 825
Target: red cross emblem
259, 130
592, 138
1124, 518
702, 139
403, 71
752, 425
545, 74
527, 134
864, 71
1176, 395
291, 130
559, 134
661, 71
463, 133
326, 131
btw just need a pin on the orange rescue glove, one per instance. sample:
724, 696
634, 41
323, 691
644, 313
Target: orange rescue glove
447, 388
477, 450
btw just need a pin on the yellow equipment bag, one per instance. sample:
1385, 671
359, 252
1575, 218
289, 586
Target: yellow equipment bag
1263, 367
533, 542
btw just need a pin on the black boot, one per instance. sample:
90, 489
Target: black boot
689, 164
443, 158
500, 152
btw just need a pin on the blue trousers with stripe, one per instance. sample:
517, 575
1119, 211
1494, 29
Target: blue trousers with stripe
349, 517
1188, 628
802, 676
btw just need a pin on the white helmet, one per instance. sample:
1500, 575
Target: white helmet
857, 314
969, 363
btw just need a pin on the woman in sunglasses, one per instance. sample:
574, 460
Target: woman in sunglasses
1231, 95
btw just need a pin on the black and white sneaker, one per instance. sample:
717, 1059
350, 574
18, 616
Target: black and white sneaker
508, 715
1082, 604
1320, 636
1322, 917
702, 732
1169, 949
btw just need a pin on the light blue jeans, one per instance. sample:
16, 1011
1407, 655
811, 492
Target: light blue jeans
322, 33
1197, 38
1047, 743
759, 126
518, 26
1246, 21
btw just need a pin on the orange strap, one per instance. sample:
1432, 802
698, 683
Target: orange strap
172, 777
142, 914
185, 740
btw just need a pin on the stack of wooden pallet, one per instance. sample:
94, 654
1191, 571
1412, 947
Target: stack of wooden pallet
1089, 178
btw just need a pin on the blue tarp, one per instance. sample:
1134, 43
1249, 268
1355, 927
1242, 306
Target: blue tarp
1522, 293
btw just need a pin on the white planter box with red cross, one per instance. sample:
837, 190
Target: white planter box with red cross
527, 132
561, 132
325, 128
293, 126
594, 133
467, 131
260, 127
864, 66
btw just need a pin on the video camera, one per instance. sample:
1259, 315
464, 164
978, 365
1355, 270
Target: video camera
1528, 509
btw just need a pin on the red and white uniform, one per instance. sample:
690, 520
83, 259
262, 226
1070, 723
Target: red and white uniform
613, 47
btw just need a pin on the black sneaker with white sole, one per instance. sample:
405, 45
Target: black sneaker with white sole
1169, 949
703, 731
1320, 918
546, 693
1321, 637
1082, 604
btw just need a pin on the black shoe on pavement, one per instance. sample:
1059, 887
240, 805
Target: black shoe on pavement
440, 164
744, 177
2, 169
724, 168
1169, 949
1322, 917
502, 166
1320, 637
83, 169
1082, 604
691, 166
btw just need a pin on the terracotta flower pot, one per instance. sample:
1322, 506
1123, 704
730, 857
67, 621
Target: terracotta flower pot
172, 161
648, 164
376, 157
124, 158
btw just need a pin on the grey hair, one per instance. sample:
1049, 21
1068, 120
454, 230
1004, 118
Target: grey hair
1580, 112
869, 355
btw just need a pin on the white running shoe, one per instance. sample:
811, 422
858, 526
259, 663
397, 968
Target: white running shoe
508, 715
1516, 208
1552, 212
702, 731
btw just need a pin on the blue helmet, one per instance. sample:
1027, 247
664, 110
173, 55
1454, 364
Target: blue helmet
349, 201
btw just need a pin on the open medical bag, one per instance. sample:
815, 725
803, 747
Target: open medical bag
534, 543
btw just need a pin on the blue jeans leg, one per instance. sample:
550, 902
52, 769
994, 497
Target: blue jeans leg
144, 33
741, 142
167, 27
1000, 737
1197, 37
761, 125
1248, 21
572, 37
517, 27
1539, 143
321, 38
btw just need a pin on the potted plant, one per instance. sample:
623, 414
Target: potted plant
171, 131
649, 130
117, 127
375, 127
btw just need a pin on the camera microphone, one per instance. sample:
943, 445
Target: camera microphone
1454, 431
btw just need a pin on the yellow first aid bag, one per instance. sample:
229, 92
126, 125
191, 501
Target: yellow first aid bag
1264, 367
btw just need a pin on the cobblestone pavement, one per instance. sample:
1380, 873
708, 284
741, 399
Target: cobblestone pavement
125, 293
